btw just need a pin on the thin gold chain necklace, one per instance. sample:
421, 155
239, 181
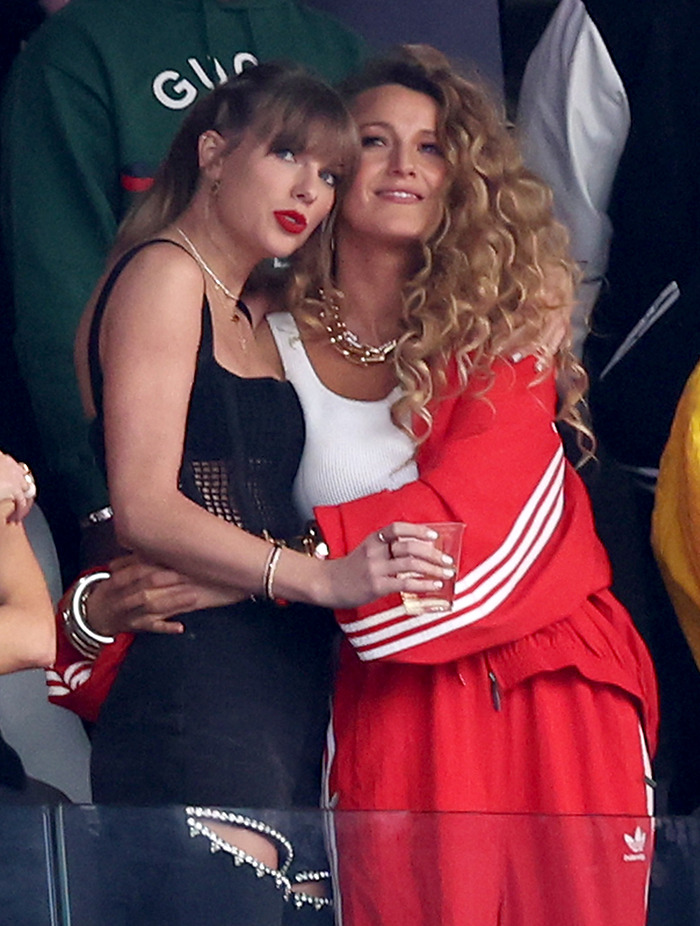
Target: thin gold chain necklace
205, 266
345, 341
236, 315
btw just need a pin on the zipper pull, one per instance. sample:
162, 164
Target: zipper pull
495, 691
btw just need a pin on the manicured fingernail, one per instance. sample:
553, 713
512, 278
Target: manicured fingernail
516, 357
438, 584
446, 558
432, 535
448, 573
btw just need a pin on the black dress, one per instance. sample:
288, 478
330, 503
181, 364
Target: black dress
233, 712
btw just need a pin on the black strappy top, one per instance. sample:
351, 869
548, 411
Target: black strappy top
243, 438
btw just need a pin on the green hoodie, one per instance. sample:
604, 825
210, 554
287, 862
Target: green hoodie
91, 107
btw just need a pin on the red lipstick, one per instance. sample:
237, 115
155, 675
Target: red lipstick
291, 221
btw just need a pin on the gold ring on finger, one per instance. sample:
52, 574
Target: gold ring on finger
30, 491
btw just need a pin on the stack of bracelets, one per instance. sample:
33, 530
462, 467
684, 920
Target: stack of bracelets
86, 640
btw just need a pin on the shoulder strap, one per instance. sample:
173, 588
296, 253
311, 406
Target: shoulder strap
96, 379
289, 344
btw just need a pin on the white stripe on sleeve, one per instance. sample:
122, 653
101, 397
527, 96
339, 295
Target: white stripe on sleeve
483, 589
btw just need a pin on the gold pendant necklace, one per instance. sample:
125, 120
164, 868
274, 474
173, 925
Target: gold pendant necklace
345, 341
220, 285
236, 315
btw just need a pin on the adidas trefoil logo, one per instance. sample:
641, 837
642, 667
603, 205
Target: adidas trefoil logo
635, 843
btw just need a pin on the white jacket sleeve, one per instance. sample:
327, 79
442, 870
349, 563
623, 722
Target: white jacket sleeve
573, 121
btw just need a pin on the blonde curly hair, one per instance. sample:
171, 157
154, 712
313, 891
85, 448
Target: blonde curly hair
496, 267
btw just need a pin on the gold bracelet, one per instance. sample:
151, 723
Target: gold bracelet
271, 568
266, 567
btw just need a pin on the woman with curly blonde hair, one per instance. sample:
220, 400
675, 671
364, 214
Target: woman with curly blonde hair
492, 270
533, 694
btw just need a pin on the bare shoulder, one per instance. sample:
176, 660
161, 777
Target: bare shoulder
164, 258
161, 284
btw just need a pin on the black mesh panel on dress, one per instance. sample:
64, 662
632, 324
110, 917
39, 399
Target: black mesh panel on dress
211, 479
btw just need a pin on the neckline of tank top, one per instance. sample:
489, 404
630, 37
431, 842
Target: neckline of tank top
288, 325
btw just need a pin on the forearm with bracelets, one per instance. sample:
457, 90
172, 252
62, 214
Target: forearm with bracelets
88, 641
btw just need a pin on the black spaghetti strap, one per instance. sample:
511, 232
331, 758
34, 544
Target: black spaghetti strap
96, 379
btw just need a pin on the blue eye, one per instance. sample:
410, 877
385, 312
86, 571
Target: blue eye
431, 147
330, 178
285, 154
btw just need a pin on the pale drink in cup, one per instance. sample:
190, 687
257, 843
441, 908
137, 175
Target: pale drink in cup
449, 540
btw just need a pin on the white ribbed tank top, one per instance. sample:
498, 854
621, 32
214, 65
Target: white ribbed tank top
352, 446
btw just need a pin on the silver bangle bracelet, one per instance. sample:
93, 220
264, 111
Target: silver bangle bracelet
86, 640
97, 517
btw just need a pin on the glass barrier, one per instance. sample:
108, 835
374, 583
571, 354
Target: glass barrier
28, 888
175, 866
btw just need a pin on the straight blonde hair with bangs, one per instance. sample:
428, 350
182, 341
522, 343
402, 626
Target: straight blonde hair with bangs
282, 104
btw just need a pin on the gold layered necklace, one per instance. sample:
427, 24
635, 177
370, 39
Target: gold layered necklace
236, 315
345, 341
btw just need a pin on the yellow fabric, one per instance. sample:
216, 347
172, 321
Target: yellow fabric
676, 520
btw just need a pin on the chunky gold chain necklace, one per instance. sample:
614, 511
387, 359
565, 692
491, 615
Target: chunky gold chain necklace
345, 341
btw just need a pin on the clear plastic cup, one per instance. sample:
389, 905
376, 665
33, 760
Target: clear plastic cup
449, 540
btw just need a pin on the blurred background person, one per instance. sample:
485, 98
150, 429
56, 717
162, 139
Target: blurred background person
607, 116
18, 432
